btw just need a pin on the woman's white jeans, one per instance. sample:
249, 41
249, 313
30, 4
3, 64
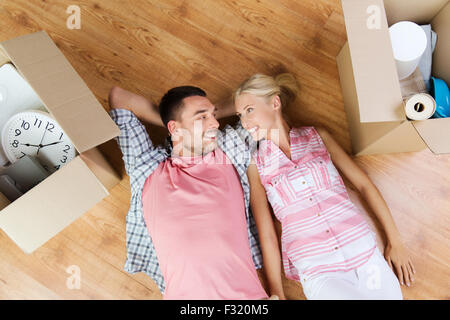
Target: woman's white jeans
373, 280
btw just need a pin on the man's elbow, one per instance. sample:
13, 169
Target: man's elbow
114, 97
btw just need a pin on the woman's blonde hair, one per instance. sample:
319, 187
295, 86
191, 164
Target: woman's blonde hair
284, 85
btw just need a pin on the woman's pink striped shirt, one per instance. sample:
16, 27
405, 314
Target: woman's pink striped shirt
322, 230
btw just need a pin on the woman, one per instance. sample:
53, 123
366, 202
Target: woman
326, 243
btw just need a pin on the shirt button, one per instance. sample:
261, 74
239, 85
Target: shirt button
296, 167
335, 248
328, 231
303, 182
318, 214
310, 199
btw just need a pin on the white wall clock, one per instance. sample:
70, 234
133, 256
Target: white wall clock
36, 133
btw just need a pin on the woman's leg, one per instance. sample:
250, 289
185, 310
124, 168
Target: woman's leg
333, 286
374, 280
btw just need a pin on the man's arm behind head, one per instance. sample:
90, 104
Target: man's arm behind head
143, 108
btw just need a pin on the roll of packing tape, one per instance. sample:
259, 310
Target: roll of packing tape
420, 106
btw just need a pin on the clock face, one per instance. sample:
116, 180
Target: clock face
36, 133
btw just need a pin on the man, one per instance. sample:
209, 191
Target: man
189, 226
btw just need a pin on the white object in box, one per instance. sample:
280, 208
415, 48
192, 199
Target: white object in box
10, 188
27, 172
409, 42
15, 95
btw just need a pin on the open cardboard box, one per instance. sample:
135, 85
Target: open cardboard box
369, 80
65, 195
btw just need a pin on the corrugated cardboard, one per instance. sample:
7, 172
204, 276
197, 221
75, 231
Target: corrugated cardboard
421, 12
52, 205
441, 25
370, 84
3, 59
4, 202
65, 195
97, 163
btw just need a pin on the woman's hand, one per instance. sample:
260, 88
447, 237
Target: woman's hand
397, 255
280, 297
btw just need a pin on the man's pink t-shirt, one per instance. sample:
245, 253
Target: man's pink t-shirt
195, 213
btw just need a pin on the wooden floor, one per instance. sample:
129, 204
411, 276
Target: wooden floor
149, 47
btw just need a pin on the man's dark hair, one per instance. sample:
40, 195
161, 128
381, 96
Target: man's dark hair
172, 101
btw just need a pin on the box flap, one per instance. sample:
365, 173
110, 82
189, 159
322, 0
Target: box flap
98, 164
3, 58
435, 133
4, 202
374, 68
48, 208
419, 11
402, 138
361, 134
61, 89
441, 25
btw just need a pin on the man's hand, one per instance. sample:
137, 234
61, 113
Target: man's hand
143, 108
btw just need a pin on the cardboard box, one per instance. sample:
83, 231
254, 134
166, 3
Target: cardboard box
65, 195
369, 81
4, 202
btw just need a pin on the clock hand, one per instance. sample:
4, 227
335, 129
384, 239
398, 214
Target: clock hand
30, 145
40, 143
49, 144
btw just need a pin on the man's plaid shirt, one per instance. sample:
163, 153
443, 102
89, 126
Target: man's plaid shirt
141, 158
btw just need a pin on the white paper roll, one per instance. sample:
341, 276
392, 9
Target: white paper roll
409, 42
420, 106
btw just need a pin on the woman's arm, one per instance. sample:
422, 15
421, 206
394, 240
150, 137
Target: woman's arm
144, 109
266, 231
396, 252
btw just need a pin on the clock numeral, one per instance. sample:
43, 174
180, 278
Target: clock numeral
61, 135
23, 155
25, 125
18, 132
15, 144
64, 158
57, 166
67, 149
49, 124
40, 122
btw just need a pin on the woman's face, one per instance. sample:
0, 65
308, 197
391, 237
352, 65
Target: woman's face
257, 115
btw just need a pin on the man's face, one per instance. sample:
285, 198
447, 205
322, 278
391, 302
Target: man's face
195, 133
